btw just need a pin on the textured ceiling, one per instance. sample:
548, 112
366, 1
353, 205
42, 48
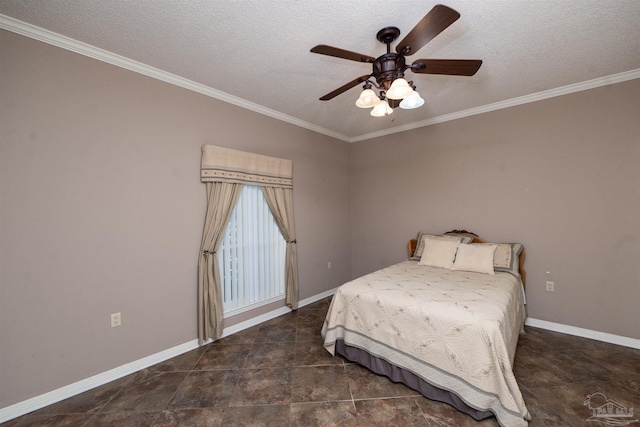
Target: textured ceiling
258, 51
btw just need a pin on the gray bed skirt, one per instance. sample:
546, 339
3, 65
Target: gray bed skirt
399, 375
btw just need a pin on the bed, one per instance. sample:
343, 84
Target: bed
443, 322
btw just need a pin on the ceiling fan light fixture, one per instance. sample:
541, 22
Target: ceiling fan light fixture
399, 89
412, 101
381, 109
388, 69
367, 99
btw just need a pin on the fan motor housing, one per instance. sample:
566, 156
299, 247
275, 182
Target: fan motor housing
387, 68
392, 65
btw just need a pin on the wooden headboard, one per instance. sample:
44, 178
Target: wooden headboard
413, 243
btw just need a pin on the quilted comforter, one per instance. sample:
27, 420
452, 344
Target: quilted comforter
456, 330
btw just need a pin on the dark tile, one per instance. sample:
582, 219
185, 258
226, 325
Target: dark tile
623, 393
324, 304
566, 365
533, 341
442, 414
271, 354
308, 332
263, 387
538, 369
207, 417
257, 416
308, 353
129, 419
289, 319
312, 316
543, 341
568, 401
183, 362
284, 332
278, 373
621, 362
49, 420
316, 414
390, 412
205, 389
147, 391
542, 414
88, 402
223, 357
246, 336
319, 384
365, 384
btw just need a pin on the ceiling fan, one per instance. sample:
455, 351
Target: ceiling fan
388, 69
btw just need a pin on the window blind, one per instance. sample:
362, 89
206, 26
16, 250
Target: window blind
252, 255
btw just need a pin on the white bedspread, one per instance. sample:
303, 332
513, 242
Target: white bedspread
456, 330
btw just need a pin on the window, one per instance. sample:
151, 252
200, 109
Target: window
252, 255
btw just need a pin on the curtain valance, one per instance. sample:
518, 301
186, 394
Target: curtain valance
224, 171
221, 164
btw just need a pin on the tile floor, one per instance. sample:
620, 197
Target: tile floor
278, 374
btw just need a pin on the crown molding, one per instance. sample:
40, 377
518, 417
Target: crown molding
526, 99
49, 37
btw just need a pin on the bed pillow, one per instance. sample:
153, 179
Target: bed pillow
439, 253
451, 237
476, 258
507, 257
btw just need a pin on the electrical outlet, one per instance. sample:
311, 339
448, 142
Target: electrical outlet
329, 265
550, 286
116, 320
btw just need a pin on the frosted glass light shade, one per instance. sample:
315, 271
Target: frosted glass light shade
368, 99
381, 109
399, 89
412, 101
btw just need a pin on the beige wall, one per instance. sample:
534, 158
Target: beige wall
561, 176
102, 211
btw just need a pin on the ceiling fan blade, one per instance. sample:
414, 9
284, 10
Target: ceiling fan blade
323, 49
345, 87
452, 67
433, 23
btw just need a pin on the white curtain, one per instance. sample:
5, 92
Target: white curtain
224, 171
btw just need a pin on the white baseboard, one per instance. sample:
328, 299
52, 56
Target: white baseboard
585, 333
46, 399
54, 396
272, 314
